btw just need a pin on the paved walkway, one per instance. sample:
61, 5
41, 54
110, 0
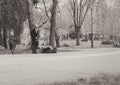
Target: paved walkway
43, 68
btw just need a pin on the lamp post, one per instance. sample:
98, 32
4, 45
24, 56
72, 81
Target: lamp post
92, 41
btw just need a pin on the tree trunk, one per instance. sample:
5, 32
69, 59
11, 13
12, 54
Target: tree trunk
92, 44
1, 39
31, 25
77, 37
5, 38
53, 24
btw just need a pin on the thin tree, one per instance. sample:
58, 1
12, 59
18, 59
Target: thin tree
92, 40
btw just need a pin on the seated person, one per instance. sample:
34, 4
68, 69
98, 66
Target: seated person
48, 50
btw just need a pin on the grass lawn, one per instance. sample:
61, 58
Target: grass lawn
100, 79
66, 45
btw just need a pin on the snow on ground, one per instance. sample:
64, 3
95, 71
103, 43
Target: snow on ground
47, 68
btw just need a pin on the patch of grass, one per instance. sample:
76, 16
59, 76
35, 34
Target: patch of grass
100, 79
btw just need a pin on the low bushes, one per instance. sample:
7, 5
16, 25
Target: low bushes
106, 42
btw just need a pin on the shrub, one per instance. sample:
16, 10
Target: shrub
106, 42
66, 45
72, 35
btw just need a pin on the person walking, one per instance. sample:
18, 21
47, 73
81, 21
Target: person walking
12, 44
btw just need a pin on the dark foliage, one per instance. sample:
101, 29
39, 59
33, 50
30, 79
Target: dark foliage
13, 13
35, 2
73, 35
106, 42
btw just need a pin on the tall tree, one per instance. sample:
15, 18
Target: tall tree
13, 15
53, 23
79, 10
4, 22
33, 33
48, 12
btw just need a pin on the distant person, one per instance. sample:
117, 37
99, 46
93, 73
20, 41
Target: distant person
12, 44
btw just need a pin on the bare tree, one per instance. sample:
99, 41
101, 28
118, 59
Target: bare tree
48, 12
108, 18
79, 9
44, 16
